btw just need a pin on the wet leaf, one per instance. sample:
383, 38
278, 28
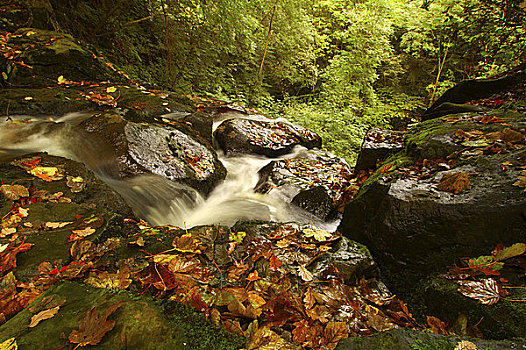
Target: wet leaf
334, 332
55, 225
14, 192
437, 326
236, 308
46, 173
466, 345
80, 234
275, 263
299, 334
93, 328
305, 274
521, 179
8, 256
454, 183
76, 184
511, 252
111, 89
253, 276
236, 270
187, 244
319, 235
237, 237
486, 291
9, 344
43, 315
104, 279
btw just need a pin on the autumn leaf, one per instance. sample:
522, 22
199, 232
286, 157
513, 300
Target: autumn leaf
253, 276
43, 315
521, 179
319, 235
486, 291
236, 308
187, 244
104, 279
275, 263
454, 182
93, 328
76, 184
236, 270
511, 252
8, 256
237, 237
299, 334
54, 225
9, 344
46, 173
466, 345
334, 332
437, 326
111, 89
14, 192
305, 274
80, 234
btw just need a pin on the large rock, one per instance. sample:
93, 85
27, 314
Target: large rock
378, 144
140, 148
37, 57
416, 223
267, 138
453, 100
321, 184
406, 339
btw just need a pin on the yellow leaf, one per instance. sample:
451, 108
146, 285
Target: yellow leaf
9, 344
54, 225
28, 98
4, 75
319, 235
7, 231
85, 232
305, 274
30, 33
237, 236
46, 173
23, 212
111, 89
61, 79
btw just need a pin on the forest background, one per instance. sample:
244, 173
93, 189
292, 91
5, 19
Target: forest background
338, 67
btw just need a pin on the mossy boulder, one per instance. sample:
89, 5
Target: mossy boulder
140, 322
161, 149
378, 144
415, 224
504, 319
406, 339
267, 138
46, 55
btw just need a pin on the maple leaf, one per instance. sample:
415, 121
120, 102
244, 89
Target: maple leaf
187, 244
8, 256
93, 328
253, 276
43, 315
14, 192
454, 182
486, 291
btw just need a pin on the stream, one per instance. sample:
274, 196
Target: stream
155, 198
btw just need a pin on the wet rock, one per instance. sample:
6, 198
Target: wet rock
407, 339
321, 185
46, 55
268, 138
505, 319
154, 148
201, 123
472, 89
140, 323
409, 220
377, 145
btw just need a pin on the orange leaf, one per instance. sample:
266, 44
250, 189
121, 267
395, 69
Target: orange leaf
93, 328
454, 183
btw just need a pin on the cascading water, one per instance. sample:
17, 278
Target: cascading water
155, 198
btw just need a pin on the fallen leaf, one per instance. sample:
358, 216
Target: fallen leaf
275, 263
111, 89
437, 326
43, 315
76, 184
235, 271
236, 308
305, 274
511, 252
237, 237
253, 276
93, 328
466, 345
521, 179
46, 173
54, 225
486, 291
9, 344
319, 235
14, 192
84, 232
454, 182
6, 231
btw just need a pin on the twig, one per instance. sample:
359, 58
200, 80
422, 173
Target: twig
266, 42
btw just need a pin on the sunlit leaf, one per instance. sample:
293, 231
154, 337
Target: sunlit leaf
43, 315
319, 235
454, 182
46, 173
14, 192
486, 291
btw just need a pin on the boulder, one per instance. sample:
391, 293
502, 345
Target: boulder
455, 191
268, 138
47, 55
469, 90
378, 144
140, 148
321, 185
407, 339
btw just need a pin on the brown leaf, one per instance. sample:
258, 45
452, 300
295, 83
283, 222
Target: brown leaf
486, 291
253, 276
43, 315
454, 183
235, 271
319, 313
334, 332
437, 326
305, 274
275, 263
187, 244
8, 256
236, 308
299, 334
309, 298
93, 328
14, 192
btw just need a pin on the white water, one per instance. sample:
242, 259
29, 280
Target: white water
155, 198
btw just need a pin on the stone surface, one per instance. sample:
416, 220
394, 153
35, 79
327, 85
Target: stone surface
318, 182
154, 148
377, 145
267, 138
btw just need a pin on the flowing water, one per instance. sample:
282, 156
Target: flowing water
155, 198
